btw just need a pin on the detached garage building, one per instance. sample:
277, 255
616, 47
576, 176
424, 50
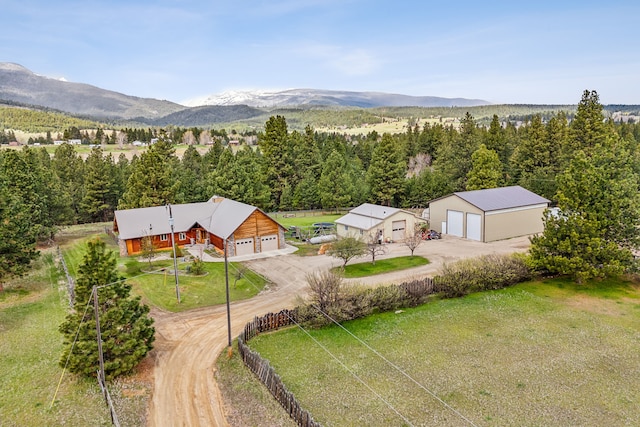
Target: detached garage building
489, 215
369, 220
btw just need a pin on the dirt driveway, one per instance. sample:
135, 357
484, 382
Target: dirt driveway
187, 344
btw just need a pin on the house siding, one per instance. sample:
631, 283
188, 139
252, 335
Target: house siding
499, 225
438, 212
256, 225
386, 226
514, 224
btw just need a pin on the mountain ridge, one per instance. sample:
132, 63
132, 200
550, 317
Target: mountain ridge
324, 97
20, 85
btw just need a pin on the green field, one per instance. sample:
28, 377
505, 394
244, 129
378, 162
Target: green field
540, 353
303, 219
34, 389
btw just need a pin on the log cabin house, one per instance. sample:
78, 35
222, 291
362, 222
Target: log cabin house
246, 228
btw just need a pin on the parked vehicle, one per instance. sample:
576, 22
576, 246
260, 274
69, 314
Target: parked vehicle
431, 235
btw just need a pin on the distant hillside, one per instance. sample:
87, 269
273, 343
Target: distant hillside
205, 116
19, 84
310, 97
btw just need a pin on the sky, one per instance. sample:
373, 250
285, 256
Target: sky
542, 52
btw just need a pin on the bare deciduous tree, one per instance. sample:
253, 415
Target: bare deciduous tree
325, 288
413, 240
121, 139
188, 138
375, 246
205, 138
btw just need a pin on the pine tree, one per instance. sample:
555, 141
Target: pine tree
97, 203
486, 170
69, 168
17, 234
126, 328
386, 172
453, 156
598, 228
277, 149
152, 181
334, 185
190, 176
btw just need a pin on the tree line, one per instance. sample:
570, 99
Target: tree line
290, 170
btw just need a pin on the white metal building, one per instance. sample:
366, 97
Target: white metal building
369, 220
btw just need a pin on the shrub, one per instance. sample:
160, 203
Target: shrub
132, 267
387, 298
482, 273
197, 266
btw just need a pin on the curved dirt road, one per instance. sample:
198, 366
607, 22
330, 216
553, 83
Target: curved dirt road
187, 344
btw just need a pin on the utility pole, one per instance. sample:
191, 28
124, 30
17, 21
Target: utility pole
226, 277
175, 262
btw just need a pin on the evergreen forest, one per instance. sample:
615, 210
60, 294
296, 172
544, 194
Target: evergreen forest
298, 170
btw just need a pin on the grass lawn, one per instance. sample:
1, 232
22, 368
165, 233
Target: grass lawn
304, 221
159, 289
249, 402
540, 353
31, 309
363, 269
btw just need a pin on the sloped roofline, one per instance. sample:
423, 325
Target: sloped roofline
492, 199
219, 216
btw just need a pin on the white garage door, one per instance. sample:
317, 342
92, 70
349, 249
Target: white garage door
269, 243
454, 223
397, 228
474, 226
244, 246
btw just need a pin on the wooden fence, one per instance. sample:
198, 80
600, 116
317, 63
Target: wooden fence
417, 290
261, 368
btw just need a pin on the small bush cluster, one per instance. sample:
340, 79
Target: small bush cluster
353, 302
196, 267
331, 300
480, 274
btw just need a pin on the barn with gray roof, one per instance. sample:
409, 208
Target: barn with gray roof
246, 228
489, 215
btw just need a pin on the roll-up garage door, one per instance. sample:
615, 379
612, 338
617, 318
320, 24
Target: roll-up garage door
474, 222
269, 243
244, 246
397, 228
454, 223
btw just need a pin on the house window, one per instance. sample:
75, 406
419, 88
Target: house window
346, 227
164, 237
182, 236
361, 232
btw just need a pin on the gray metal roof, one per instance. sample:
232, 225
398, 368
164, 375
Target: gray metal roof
493, 199
374, 211
220, 218
360, 222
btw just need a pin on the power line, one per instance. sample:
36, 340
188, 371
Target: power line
337, 360
396, 367
377, 353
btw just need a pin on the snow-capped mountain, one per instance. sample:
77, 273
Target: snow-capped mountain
295, 97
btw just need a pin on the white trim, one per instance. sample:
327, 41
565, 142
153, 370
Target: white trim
520, 208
